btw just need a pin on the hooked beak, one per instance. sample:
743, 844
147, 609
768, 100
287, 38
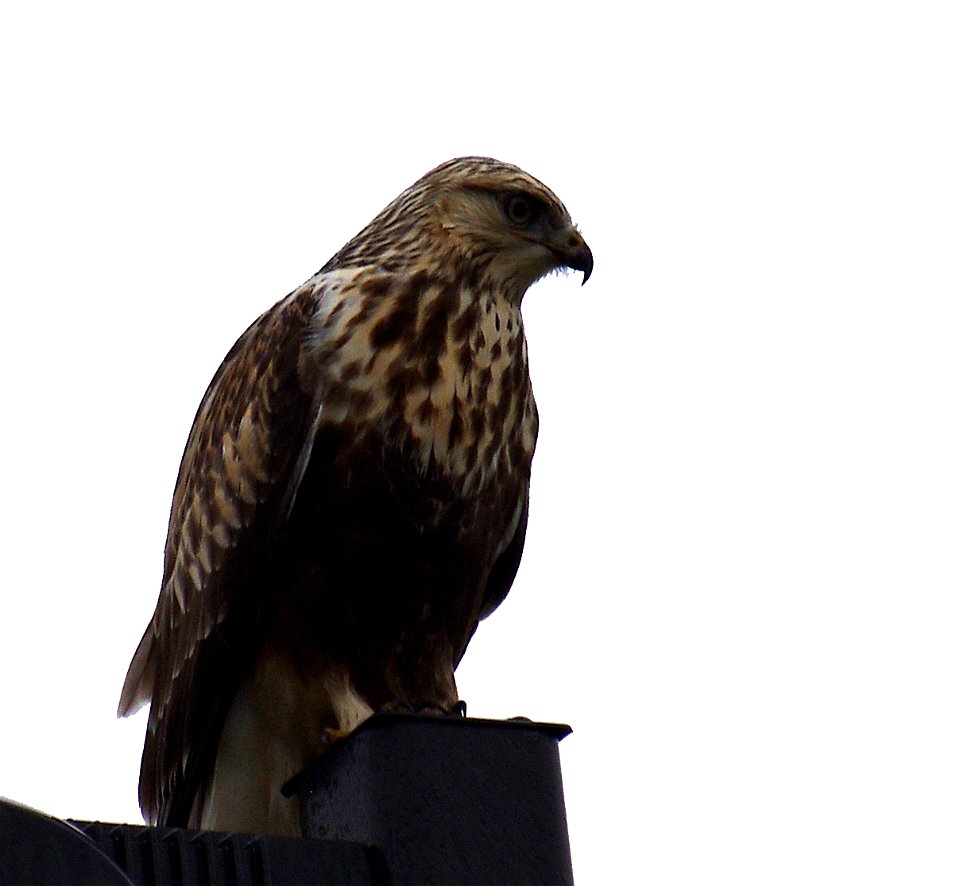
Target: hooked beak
572, 251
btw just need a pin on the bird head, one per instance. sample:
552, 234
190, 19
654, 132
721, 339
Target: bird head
484, 216
500, 215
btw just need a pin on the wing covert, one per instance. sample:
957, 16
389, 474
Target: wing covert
243, 459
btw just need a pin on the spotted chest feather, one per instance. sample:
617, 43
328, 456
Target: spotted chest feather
440, 368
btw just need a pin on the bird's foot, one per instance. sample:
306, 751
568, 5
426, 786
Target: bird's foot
397, 706
431, 709
329, 736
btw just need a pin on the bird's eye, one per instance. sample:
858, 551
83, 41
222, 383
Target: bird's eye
520, 210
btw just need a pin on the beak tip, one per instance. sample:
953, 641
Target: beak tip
582, 260
585, 263
575, 255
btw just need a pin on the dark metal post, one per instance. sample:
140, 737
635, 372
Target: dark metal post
446, 800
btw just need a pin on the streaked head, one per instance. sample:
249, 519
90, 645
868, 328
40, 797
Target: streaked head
474, 210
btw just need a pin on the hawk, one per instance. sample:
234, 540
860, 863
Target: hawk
352, 499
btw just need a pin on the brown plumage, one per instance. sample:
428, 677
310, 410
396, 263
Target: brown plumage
352, 499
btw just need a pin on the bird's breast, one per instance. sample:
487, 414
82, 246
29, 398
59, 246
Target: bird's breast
439, 371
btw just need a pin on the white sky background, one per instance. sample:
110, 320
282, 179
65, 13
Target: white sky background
741, 578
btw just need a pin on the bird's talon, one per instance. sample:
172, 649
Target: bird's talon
332, 735
398, 706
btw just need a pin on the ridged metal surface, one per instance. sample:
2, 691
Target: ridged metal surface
177, 857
